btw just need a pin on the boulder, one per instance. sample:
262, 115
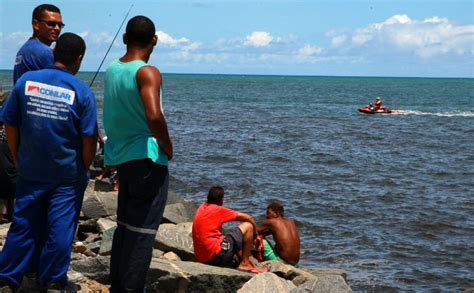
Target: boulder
186, 228
94, 246
324, 284
266, 283
4, 230
189, 206
324, 272
170, 238
170, 256
78, 247
182, 276
95, 268
91, 237
106, 243
105, 224
289, 272
299, 276
175, 213
99, 204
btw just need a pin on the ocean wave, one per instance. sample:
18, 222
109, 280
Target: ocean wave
439, 114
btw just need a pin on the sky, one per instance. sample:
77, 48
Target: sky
406, 38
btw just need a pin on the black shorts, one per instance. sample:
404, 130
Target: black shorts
231, 244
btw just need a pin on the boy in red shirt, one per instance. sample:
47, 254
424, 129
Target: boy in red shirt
213, 248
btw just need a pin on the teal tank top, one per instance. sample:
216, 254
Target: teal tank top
125, 124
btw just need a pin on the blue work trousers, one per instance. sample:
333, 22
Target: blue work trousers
40, 236
142, 196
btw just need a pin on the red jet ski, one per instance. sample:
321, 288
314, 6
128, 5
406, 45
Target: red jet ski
371, 110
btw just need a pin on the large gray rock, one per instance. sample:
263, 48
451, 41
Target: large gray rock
105, 224
189, 207
99, 204
266, 283
325, 272
186, 228
300, 276
170, 238
289, 272
182, 276
324, 284
106, 243
95, 268
176, 213
4, 230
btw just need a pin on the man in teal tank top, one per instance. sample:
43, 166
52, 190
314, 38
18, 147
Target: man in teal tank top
138, 144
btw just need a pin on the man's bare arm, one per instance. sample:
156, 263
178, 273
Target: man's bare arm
149, 84
89, 146
13, 138
265, 227
247, 218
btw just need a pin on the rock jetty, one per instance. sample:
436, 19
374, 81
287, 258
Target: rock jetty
172, 268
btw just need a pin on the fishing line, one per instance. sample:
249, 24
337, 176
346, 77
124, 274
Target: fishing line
103, 59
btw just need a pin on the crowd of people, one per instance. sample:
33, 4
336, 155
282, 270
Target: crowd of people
50, 139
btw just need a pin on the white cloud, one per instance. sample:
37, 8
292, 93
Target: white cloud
425, 38
309, 50
337, 41
168, 40
258, 39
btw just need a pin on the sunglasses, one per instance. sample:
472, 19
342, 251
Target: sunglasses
52, 23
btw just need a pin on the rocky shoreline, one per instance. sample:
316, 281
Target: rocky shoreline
173, 268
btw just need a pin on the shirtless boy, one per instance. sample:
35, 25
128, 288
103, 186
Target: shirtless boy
285, 234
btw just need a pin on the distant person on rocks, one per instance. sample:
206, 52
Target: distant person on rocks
51, 126
285, 234
211, 246
36, 54
139, 146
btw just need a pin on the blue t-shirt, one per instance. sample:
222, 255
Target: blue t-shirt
33, 55
52, 110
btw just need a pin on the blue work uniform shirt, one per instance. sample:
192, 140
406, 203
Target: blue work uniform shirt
52, 110
33, 55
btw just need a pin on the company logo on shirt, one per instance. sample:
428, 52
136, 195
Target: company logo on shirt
49, 92
33, 88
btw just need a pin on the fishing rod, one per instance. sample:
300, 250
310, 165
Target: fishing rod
110, 47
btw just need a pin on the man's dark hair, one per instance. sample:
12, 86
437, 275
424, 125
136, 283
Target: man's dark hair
39, 10
140, 31
276, 207
69, 46
215, 195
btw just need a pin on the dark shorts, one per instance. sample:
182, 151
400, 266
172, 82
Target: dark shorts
231, 245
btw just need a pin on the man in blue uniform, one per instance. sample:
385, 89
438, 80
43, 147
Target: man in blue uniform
36, 54
139, 145
51, 126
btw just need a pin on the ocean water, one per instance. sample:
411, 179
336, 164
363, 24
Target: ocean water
388, 198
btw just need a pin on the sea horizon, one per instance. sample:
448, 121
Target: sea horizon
286, 75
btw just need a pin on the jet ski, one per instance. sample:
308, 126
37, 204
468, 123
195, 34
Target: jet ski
370, 109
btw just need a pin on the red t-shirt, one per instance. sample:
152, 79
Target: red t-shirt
207, 230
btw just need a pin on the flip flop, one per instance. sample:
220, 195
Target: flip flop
253, 270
